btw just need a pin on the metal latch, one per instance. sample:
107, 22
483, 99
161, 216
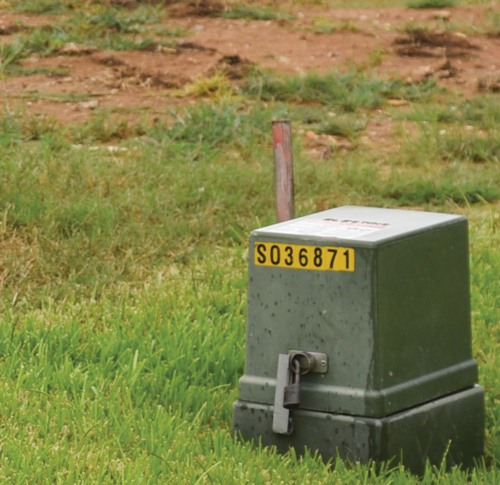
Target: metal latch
287, 394
282, 424
316, 362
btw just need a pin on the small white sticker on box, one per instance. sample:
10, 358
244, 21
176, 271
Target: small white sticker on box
346, 229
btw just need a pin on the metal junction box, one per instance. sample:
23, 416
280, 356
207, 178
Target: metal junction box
359, 338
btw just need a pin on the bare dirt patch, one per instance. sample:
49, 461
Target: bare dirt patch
196, 8
425, 43
12, 23
134, 84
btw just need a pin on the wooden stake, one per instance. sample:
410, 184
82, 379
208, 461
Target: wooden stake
283, 170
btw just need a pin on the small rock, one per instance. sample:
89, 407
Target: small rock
165, 50
397, 102
490, 82
91, 104
72, 49
312, 135
445, 74
442, 15
421, 74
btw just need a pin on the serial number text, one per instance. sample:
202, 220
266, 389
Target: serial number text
298, 256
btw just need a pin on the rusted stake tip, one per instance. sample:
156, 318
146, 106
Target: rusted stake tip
283, 170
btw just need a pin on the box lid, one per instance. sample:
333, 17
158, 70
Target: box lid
365, 226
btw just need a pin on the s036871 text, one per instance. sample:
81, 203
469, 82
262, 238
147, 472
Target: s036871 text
298, 256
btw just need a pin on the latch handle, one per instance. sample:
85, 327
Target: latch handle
282, 424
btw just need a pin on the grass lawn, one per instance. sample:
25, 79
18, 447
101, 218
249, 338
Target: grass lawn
123, 270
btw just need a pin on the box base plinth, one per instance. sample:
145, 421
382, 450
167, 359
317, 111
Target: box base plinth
449, 428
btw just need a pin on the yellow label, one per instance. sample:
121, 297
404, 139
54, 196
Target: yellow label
297, 256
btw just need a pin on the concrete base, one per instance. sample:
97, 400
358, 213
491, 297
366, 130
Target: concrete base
450, 427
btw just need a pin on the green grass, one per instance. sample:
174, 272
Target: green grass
345, 127
99, 225
16, 70
432, 3
43, 7
110, 398
103, 28
471, 148
481, 112
493, 23
123, 272
419, 192
348, 92
140, 387
59, 97
323, 25
247, 12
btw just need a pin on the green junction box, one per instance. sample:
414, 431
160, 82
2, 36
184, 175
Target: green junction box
374, 304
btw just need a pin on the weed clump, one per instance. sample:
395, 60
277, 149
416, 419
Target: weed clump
493, 18
471, 148
340, 127
427, 192
254, 13
431, 3
322, 25
349, 92
44, 7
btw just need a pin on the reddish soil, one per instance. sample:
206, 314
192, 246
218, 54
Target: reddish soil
137, 82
